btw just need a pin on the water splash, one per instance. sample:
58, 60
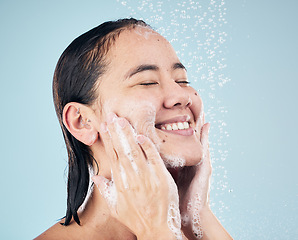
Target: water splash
196, 31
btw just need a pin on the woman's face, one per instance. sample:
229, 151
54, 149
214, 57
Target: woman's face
146, 84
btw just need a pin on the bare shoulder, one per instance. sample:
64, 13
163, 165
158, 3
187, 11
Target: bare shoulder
57, 232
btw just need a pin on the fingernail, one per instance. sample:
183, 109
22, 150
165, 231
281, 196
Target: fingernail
122, 122
103, 127
111, 118
140, 139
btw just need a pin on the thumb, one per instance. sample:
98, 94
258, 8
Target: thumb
204, 134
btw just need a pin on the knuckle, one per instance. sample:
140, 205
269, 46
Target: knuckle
152, 160
134, 153
134, 188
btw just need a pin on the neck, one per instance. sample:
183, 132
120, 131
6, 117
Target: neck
95, 217
97, 222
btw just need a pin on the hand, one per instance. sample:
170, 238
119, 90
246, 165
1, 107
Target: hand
142, 194
194, 187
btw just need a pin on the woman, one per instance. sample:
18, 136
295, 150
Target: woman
132, 122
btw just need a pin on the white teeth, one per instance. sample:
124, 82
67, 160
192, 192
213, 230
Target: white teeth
180, 125
175, 126
169, 127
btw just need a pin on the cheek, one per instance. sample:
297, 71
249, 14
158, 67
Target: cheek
138, 109
141, 114
197, 105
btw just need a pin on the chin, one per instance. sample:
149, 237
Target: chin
183, 158
177, 163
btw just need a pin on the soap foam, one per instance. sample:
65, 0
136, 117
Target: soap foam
126, 147
173, 218
145, 32
196, 221
109, 192
174, 221
123, 177
185, 219
146, 125
172, 161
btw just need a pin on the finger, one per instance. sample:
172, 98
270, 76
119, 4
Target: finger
206, 162
152, 156
113, 157
122, 148
200, 122
130, 146
204, 134
130, 155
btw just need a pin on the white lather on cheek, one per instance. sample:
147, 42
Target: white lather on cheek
143, 115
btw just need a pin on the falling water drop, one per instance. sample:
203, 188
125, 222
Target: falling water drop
196, 31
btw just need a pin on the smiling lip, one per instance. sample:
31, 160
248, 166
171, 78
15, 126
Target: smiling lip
184, 118
185, 132
178, 125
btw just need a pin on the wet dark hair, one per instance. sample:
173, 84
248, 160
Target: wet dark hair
75, 80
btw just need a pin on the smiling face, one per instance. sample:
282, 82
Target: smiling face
146, 83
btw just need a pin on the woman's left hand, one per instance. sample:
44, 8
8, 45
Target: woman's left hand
194, 190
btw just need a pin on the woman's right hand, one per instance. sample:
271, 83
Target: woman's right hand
142, 195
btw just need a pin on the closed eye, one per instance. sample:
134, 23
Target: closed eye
148, 83
183, 82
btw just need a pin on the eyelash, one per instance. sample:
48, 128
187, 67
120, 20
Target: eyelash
183, 82
148, 84
155, 83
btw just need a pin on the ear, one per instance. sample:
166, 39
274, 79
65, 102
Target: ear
75, 119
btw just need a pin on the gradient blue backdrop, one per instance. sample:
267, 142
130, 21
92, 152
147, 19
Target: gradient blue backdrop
259, 198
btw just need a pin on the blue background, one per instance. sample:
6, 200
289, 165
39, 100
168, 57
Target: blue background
240, 55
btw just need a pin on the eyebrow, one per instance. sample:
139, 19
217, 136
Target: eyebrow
141, 68
149, 67
178, 65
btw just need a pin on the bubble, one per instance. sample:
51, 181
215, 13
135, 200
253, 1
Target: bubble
174, 220
196, 29
173, 161
185, 219
126, 149
109, 192
196, 221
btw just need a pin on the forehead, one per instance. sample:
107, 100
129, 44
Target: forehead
141, 45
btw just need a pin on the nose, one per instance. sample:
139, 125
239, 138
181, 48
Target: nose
176, 96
